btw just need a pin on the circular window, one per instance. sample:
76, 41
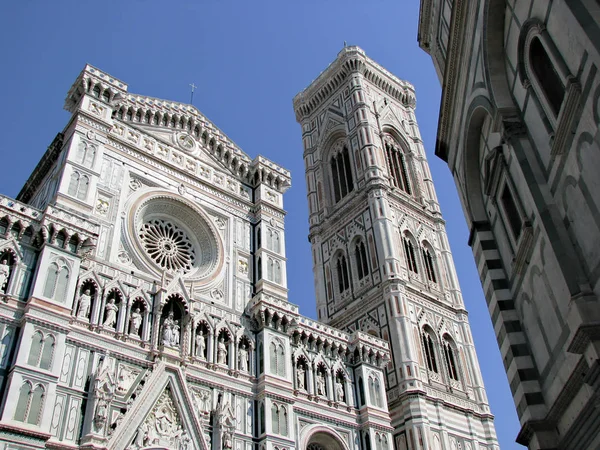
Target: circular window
171, 234
168, 245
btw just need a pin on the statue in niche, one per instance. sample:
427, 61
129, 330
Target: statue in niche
171, 331
222, 352
243, 357
339, 391
200, 345
100, 415
135, 321
83, 308
110, 314
320, 383
300, 374
4, 274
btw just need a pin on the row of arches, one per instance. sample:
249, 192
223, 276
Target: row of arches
28, 234
341, 168
440, 356
341, 270
420, 256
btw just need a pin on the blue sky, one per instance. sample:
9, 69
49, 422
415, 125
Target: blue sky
248, 59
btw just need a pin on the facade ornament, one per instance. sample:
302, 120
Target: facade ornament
104, 389
4, 274
243, 357
110, 317
84, 302
126, 378
182, 189
135, 184
300, 375
339, 391
135, 321
320, 383
200, 345
222, 352
171, 331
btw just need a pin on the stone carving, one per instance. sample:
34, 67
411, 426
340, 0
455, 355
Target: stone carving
300, 375
104, 389
242, 267
162, 428
339, 391
320, 383
135, 184
125, 379
200, 345
224, 424
243, 358
222, 352
217, 294
110, 313
4, 274
102, 207
124, 258
135, 321
83, 308
170, 331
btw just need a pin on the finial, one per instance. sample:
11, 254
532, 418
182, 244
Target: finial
193, 86
344, 44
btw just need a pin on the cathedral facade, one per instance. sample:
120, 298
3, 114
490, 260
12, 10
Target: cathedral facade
519, 128
143, 283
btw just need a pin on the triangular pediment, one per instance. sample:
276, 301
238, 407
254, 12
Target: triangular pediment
185, 143
163, 415
390, 117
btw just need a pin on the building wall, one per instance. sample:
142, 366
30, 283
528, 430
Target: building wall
381, 257
518, 128
144, 300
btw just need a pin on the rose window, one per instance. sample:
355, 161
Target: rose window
167, 245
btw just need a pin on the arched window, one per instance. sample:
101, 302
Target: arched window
375, 391
261, 414
429, 269
275, 419
283, 421
156, 119
147, 117
165, 120
47, 352
273, 240
96, 91
361, 391
328, 283
277, 358
546, 75
35, 350
86, 154
258, 238
57, 281
450, 357
409, 251
129, 114
259, 269
106, 95
341, 174
30, 403
360, 254
138, 116
78, 186
397, 167
429, 350
342, 274
261, 358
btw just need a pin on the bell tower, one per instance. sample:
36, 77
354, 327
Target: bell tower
381, 259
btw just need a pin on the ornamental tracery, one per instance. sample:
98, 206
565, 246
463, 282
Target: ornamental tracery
168, 245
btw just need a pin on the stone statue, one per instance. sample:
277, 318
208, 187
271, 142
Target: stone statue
300, 373
135, 321
200, 345
171, 331
110, 315
4, 274
222, 352
85, 300
142, 436
100, 415
339, 391
243, 358
320, 384
184, 441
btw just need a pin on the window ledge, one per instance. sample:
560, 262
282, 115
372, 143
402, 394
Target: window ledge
567, 117
521, 259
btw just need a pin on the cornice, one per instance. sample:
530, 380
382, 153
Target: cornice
452, 77
351, 60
